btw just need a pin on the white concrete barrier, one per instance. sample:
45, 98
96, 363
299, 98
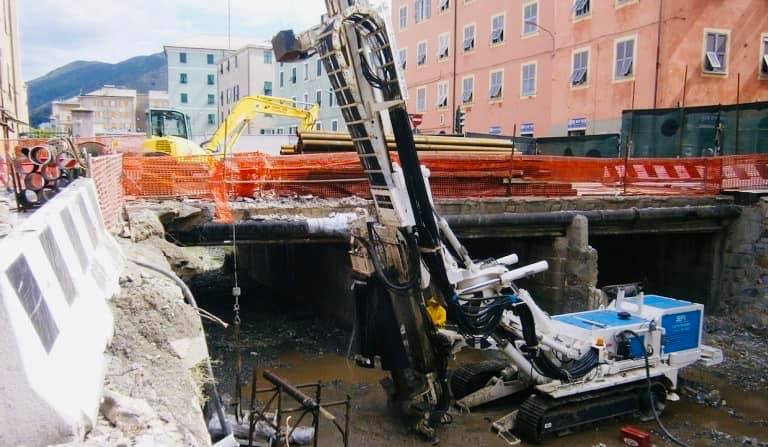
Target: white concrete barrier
57, 270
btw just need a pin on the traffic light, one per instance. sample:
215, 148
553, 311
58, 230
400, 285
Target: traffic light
461, 117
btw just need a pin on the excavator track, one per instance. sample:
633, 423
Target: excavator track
542, 417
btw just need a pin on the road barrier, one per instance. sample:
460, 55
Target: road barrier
58, 269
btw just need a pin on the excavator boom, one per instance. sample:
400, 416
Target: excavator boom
249, 108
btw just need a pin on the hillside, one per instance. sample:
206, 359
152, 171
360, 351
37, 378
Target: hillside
141, 73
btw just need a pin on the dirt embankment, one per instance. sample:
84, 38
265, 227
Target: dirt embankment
155, 362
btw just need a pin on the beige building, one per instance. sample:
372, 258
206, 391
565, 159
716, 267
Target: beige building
114, 110
248, 71
13, 90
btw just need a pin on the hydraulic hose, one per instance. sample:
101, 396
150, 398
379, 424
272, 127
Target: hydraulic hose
578, 368
191, 301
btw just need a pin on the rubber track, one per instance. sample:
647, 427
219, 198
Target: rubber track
529, 421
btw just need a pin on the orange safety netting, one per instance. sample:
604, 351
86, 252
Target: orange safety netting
452, 175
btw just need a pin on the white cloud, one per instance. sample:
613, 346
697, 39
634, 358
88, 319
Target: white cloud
54, 33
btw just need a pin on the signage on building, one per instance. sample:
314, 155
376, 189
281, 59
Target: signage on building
417, 119
526, 129
577, 124
495, 130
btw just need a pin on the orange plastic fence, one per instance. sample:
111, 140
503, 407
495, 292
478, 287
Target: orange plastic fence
452, 175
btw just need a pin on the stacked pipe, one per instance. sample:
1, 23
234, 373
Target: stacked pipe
40, 173
314, 142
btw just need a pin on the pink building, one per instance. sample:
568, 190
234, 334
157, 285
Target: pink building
550, 68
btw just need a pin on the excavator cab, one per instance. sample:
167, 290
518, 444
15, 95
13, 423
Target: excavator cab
169, 133
168, 123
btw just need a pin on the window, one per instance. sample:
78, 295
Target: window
528, 79
267, 56
331, 98
293, 75
306, 71
335, 125
237, 93
530, 18
229, 61
319, 97
445, 5
423, 10
469, 38
211, 118
580, 73
184, 98
443, 43
282, 79
403, 16
268, 88
421, 99
306, 101
764, 56
715, 52
421, 53
229, 95
403, 57
319, 67
319, 125
221, 98
221, 68
183, 58
620, 3
497, 29
211, 99
182, 78
467, 90
293, 98
625, 56
497, 85
236, 59
209, 59
442, 95
211, 80
580, 8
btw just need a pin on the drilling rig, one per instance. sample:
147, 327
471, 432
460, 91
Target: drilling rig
581, 367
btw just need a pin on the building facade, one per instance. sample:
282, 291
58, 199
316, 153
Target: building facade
306, 83
114, 111
249, 71
13, 90
545, 68
192, 83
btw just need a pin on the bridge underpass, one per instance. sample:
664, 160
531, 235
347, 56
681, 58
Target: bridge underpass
672, 244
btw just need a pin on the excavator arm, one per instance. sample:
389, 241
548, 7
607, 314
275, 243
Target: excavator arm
250, 107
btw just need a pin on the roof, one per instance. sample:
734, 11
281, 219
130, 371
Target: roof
207, 42
113, 91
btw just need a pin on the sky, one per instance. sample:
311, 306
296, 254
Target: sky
54, 32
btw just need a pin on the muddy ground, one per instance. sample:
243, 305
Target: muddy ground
722, 406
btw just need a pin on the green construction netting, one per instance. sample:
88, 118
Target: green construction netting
693, 131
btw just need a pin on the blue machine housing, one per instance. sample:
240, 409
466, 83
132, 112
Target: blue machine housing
681, 321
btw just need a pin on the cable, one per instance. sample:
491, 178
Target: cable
653, 404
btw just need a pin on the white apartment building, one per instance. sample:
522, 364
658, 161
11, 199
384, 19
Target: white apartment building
306, 83
193, 79
248, 71
14, 111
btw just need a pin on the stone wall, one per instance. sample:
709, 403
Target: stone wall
745, 266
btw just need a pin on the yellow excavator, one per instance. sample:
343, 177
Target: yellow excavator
169, 130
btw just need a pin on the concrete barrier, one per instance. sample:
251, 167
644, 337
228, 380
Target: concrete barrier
57, 271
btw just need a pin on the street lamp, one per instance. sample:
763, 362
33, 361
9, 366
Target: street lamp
551, 35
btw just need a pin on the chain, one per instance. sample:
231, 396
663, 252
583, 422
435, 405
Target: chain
238, 358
